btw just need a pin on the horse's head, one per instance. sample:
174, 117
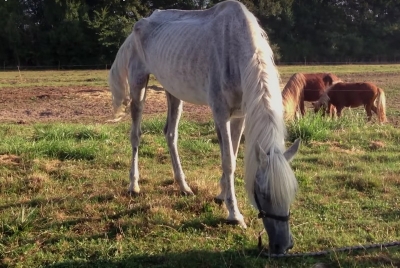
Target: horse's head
322, 102
330, 79
274, 190
317, 106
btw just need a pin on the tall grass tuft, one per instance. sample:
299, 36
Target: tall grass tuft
314, 127
66, 132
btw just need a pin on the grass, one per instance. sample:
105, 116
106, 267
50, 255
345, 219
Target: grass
63, 200
73, 211
341, 70
96, 78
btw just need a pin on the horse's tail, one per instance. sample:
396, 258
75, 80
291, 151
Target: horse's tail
381, 106
291, 94
118, 79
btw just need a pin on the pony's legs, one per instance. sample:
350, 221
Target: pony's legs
138, 96
228, 153
331, 109
368, 109
374, 109
339, 111
237, 127
171, 135
302, 108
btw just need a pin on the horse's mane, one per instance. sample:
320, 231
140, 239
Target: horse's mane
265, 126
324, 99
291, 94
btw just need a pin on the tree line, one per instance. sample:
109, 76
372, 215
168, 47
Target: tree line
84, 32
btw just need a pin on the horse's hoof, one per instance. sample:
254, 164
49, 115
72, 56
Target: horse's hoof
236, 222
133, 193
218, 201
187, 193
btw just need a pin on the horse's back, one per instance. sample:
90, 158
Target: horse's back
352, 94
185, 50
222, 9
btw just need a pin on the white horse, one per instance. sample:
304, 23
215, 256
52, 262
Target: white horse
218, 57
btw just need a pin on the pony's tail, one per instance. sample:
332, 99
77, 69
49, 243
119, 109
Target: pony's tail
118, 80
381, 106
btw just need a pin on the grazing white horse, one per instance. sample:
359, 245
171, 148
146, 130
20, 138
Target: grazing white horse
218, 57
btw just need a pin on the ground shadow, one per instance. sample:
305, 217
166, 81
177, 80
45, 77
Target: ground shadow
230, 258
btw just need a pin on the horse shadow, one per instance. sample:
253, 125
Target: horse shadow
227, 258
189, 258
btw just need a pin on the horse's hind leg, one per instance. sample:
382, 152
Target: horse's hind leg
237, 127
138, 96
374, 109
368, 109
171, 135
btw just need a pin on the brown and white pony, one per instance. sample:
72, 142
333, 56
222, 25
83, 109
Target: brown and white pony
354, 95
304, 87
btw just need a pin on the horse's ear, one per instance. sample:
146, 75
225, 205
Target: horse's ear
292, 151
260, 154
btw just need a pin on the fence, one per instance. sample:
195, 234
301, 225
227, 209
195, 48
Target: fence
107, 66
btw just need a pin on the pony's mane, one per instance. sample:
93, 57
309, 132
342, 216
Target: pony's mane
264, 122
118, 78
291, 94
324, 99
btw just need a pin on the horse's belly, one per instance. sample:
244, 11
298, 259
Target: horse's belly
185, 91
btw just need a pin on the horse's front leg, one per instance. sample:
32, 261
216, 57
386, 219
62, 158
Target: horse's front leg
138, 96
302, 107
228, 167
171, 135
339, 111
237, 127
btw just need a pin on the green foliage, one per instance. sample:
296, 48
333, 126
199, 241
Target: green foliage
54, 32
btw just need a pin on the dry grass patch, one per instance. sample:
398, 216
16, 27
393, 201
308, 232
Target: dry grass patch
9, 159
376, 145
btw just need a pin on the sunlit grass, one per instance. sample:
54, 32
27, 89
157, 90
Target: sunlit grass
9, 79
63, 211
340, 69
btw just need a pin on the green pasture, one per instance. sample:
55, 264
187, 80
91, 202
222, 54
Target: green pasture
64, 201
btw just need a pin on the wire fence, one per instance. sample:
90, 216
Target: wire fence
104, 66
107, 66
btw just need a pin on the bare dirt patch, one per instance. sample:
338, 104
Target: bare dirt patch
92, 104
78, 104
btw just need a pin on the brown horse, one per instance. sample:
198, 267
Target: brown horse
304, 87
353, 95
